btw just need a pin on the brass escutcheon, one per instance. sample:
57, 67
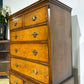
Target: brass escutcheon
15, 36
35, 52
15, 23
16, 65
34, 18
15, 82
16, 50
35, 71
34, 34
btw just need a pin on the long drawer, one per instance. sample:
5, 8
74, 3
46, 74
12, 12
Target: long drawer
32, 34
31, 51
34, 70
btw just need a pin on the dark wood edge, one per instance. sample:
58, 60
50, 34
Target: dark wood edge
49, 49
25, 77
61, 5
28, 27
66, 79
29, 42
10, 67
30, 60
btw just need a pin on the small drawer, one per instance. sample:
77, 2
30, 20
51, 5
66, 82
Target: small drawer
34, 70
16, 23
32, 34
15, 80
35, 17
30, 51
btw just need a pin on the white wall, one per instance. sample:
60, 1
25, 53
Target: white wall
78, 9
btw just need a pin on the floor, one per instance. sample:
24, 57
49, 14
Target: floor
4, 81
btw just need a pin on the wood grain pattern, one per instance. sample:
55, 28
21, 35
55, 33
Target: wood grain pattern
18, 22
26, 35
27, 68
15, 80
26, 51
41, 16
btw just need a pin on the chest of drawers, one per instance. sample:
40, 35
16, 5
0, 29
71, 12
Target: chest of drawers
40, 46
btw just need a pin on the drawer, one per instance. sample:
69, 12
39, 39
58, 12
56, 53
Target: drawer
35, 17
31, 51
33, 34
15, 80
16, 23
34, 70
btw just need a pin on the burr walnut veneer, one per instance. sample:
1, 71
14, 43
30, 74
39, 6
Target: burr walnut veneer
41, 44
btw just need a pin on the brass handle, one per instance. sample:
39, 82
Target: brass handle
34, 18
16, 50
16, 65
15, 36
15, 23
34, 34
15, 82
35, 71
35, 52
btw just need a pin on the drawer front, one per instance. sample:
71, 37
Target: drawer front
15, 80
35, 17
16, 23
34, 70
31, 51
33, 34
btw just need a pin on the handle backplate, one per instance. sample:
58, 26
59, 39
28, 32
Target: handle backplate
34, 18
35, 71
34, 34
35, 52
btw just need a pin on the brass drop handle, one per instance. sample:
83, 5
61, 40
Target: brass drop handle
16, 65
16, 50
35, 52
15, 23
15, 36
15, 82
35, 71
34, 34
34, 18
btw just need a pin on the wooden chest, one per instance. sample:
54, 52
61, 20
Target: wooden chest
41, 44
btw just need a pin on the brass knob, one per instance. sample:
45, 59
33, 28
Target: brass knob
34, 18
15, 36
16, 50
15, 23
34, 34
16, 65
35, 71
15, 82
35, 52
